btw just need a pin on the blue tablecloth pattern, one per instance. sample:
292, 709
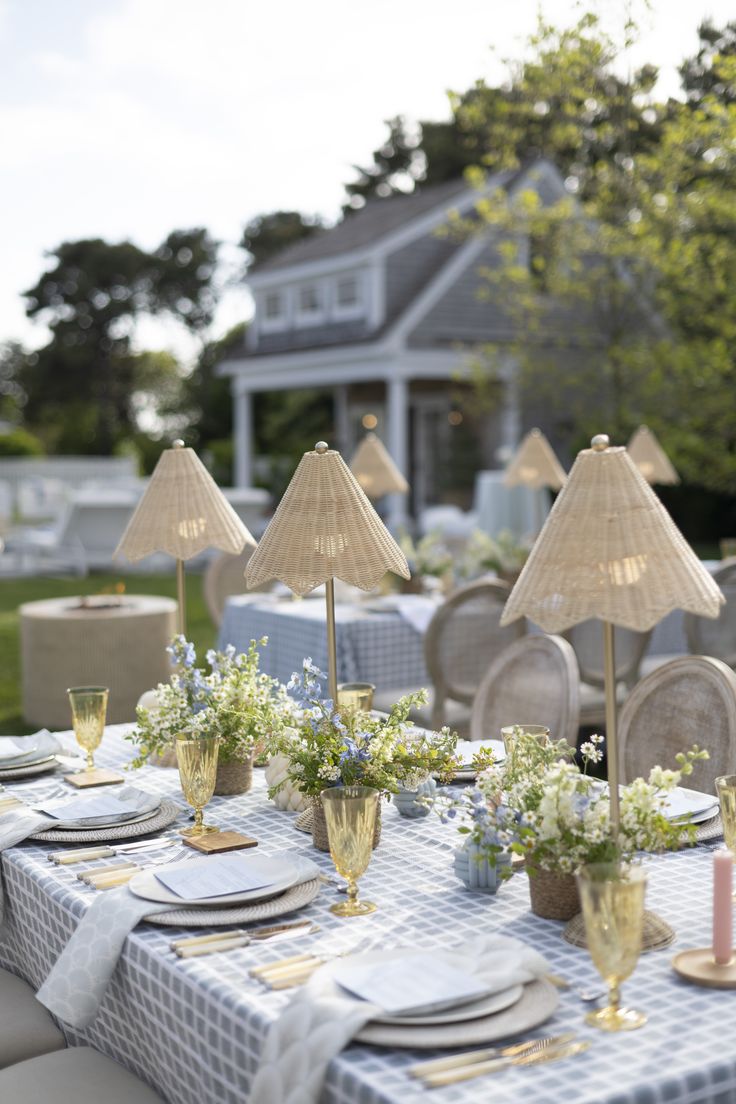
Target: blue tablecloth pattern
381, 648
194, 1029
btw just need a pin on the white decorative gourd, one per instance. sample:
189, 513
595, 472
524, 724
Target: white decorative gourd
289, 797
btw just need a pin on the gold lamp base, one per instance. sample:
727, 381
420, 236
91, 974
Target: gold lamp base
699, 967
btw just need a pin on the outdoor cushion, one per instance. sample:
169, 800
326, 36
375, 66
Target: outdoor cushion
26, 1029
78, 1075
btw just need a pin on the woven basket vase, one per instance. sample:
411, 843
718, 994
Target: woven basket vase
553, 896
319, 827
234, 777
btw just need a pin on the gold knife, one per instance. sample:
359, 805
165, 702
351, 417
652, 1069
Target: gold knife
456, 1061
478, 1069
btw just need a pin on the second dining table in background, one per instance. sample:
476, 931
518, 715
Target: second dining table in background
375, 643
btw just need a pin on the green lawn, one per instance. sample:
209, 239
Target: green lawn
13, 592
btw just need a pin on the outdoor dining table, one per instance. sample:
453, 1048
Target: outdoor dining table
374, 644
194, 1028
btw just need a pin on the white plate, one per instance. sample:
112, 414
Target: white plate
700, 806
537, 1003
468, 748
146, 806
496, 1002
41, 747
283, 873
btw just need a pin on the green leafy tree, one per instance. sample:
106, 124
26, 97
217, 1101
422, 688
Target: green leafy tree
266, 235
620, 299
703, 75
83, 387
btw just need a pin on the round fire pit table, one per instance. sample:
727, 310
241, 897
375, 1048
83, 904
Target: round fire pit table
120, 643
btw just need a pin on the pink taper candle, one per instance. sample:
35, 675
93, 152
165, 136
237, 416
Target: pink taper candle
722, 907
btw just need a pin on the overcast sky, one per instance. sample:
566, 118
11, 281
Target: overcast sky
129, 118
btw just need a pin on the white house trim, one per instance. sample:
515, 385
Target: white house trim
436, 288
354, 258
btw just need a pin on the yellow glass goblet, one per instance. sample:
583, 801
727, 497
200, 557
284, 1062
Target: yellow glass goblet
197, 760
510, 732
726, 790
89, 709
356, 695
350, 813
612, 896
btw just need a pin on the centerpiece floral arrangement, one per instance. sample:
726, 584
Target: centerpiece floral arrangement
328, 746
539, 804
505, 555
429, 558
233, 699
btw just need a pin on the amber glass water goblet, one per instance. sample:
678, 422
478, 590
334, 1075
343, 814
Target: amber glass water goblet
612, 896
350, 814
197, 760
89, 709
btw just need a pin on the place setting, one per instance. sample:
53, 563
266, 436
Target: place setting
494, 988
222, 890
26, 756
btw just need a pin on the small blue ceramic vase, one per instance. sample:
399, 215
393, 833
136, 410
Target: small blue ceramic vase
472, 867
408, 805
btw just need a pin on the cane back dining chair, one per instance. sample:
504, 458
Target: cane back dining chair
690, 700
629, 648
462, 639
534, 681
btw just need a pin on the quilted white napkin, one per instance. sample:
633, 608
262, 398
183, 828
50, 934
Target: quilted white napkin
74, 989
16, 826
319, 1022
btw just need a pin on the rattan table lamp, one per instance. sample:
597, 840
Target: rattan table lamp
534, 464
650, 458
182, 512
325, 529
610, 550
374, 469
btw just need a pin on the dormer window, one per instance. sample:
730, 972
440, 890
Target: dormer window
273, 305
347, 291
310, 300
347, 296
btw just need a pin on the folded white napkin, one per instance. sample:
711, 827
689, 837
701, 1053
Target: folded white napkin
74, 989
16, 826
416, 609
320, 1021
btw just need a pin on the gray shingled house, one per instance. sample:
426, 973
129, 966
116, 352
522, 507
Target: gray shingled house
385, 311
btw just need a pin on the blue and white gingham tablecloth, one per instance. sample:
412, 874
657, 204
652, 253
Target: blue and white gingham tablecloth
377, 647
194, 1029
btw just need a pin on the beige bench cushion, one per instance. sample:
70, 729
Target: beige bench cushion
26, 1029
78, 1075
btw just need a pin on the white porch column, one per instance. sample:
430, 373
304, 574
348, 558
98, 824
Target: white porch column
397, 426
342, 421
242, 437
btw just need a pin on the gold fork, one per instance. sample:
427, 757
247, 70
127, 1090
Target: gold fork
549, 1053
457, 1061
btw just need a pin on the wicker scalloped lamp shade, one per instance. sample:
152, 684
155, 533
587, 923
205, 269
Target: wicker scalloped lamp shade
374, 469
534, 464
325, 528
610, 550
182, 512
650, 458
